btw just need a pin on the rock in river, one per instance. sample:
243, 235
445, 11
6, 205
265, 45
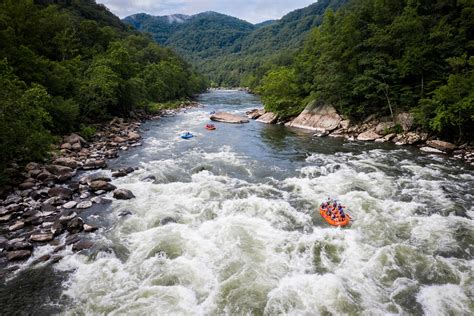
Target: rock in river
102, 185
18, 255
123, 194
229, 118
369, 135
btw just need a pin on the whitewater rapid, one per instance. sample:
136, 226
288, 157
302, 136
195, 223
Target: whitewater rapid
229, 226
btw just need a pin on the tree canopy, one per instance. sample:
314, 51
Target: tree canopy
68, 63
383, 57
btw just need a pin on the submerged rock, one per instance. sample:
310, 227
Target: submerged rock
82, 245
229, 118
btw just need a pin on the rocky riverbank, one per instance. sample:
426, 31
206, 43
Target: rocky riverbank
325, 121
45, 208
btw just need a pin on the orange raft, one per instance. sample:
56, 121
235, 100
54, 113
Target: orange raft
338, 221
210, 127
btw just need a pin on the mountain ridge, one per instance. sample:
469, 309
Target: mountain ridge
228, 49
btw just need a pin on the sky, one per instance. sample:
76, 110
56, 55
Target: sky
254, 11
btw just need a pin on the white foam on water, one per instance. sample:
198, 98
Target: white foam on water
238, 247
445, 299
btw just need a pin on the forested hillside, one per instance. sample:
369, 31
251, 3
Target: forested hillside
385, 57
67, 64
230, 51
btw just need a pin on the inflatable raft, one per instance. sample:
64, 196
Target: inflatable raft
210, 127
326, 211
187, 135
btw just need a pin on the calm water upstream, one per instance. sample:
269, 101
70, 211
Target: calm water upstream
247, 239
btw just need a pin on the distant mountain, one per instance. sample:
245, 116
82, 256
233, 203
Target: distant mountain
228, 49
265, 23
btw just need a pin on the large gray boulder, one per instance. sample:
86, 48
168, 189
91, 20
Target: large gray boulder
123, 194
229, 118
317, 117
367, 136
441, 145
268, 118
406, 121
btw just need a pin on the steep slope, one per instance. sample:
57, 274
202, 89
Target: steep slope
161, 27
230, 51
66, 65
209, 34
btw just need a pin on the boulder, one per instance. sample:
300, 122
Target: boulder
32, 166
268, 118
441, 145
383, 128
118, 140
317, 117
255, 113
59, 169
167, 220
98, 185
76, 147
133, 136
26, 185
345, 124
368, 136
18, 255
119, 174
67, 216
43, 237
94, 164
45, 175
430, 150
74, 139
389, 137
63, 193
18, 244
57, 228
18, 225
67, 162
228, 118
76, 225
123, 194
406, 121
412, 138
66, 146
82, 245
84, 205
89, 228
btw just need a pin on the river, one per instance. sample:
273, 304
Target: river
243, 235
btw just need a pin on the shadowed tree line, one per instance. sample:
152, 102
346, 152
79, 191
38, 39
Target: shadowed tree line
67, 64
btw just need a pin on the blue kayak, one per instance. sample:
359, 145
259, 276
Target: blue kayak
187, 135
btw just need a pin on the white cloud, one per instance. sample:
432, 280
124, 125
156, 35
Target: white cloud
251, 10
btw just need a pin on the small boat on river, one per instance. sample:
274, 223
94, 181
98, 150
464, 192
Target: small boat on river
210, 127
187, 135
334, 213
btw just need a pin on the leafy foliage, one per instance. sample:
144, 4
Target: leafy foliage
67, 63
232, 52
388, 56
